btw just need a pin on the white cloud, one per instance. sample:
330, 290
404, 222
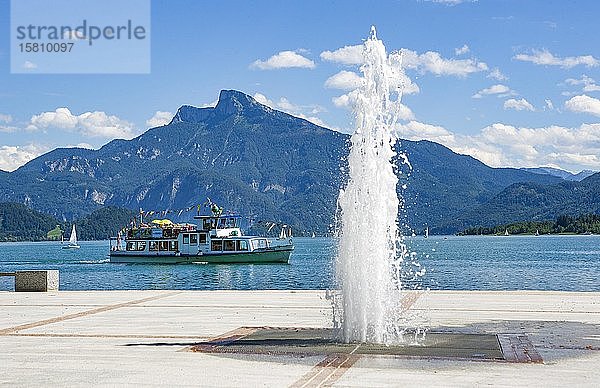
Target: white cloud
502, 145
462, 50
545, 57
429, 62
283, 60
499, 89
404, 112
585, 80
345, 100
262, 99
344, 80
433, 62
584, 104
415, 130
159, 119
521, 104
60, 118
347, 55
589, 84
7, 128
570, 148
591, 88
549, 104
497, 75
306, 112
348, 100
29, 65
13, 157
92, 124
210, 104
348, 80
82, 145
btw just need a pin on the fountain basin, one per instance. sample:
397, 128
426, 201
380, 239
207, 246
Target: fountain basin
326, 342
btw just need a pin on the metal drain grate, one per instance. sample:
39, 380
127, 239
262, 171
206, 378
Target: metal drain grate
320, 341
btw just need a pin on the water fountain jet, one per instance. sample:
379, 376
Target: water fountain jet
370, 250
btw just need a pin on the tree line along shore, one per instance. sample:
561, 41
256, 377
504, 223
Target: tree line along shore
21, 223
563, 224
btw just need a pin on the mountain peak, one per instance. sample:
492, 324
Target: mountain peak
234, 101
191, 114
230, 102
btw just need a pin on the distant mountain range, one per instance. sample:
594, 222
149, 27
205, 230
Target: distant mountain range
536, 202
269, 165
561, 173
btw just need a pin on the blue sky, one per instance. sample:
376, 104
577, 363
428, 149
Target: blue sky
513, 83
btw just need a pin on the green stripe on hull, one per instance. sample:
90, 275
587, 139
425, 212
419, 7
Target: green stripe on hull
276, 256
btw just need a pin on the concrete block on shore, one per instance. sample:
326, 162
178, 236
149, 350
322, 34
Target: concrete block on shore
33, 281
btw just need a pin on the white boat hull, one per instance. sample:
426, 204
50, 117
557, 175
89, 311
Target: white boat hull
275, 255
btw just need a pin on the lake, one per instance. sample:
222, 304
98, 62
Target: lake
458, 263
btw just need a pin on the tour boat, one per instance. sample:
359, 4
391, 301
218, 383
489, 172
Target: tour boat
216, 239
72, 240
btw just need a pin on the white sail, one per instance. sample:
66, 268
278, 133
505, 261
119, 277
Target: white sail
73, 239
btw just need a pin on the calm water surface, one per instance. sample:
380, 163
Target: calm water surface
460, 263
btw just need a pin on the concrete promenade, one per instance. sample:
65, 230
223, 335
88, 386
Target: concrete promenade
143, 338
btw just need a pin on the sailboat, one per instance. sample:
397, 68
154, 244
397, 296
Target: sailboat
313, 235
427, 232
72, 240
506, 232
537, 232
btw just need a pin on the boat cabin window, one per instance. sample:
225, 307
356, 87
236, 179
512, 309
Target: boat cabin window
202, 238
216, 245
259, 244
186, 238
132, 245
173, 246
229, 245
193, 239
219, 223
207, 224
141, 246
241, 245
153, 245
164, 245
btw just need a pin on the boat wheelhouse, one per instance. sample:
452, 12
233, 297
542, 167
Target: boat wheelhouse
216, 239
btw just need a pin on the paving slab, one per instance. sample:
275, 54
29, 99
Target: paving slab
108, 338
